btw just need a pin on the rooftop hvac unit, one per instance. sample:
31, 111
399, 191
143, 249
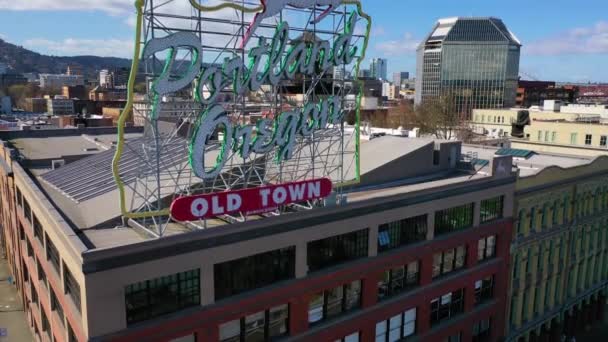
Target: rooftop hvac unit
57, 163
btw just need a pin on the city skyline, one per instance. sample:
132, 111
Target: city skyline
563, 45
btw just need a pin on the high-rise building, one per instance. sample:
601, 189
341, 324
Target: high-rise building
475, 61
106, 79
399, 77
378, 68
365, 73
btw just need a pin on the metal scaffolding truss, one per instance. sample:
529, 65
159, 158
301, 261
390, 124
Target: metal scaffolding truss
166, 173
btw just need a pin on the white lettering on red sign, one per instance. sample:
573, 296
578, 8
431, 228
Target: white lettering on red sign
248, 201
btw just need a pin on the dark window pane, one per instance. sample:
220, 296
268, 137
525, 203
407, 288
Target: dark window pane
254, 327
52, 254
454, 219
152, 298
491, 209
253, 272
71, 286
279, 319
400, 233
337, 249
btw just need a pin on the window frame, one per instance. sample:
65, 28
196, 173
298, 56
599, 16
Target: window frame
322, 254
267, 314
345, 305
403, 232
491, 209
142, 302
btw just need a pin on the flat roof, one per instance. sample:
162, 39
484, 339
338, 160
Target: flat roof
85, 193
530, 164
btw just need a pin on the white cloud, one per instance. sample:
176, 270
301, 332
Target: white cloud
110, 6
3, 36
584, 40
77, 47
406, 45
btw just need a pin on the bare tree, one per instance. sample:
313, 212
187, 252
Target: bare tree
438, 116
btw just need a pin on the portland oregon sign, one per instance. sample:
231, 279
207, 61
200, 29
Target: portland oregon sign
248, 110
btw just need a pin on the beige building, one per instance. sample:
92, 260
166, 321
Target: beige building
572, 129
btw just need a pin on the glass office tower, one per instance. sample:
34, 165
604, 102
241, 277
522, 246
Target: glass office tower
474, 61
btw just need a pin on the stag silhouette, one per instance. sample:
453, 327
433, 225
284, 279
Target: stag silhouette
271, 8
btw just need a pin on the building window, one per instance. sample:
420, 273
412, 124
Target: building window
18, 196
334, 302
34, 295
46, 327
52, 254
38, 232
398, 280
486, 248
481, 330
41, 274
71, 334
491, 209
337, 249
603, 140
27, 211
71, 286
28, 246
484, 290
588, 138
546, 136
447, 306
397, 327
253, 272
573, 138
261, 326
449, 261
354, 337
454, 338
56, 306
453, 219
156, 297
553, 136
403, 232
540, 135
21, 231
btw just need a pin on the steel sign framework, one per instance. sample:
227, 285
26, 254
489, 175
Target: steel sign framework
241, 94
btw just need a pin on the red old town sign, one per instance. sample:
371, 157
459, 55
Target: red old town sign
248, 201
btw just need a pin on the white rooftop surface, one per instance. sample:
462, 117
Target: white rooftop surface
532, 165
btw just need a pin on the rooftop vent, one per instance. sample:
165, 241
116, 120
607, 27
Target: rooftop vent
57, 163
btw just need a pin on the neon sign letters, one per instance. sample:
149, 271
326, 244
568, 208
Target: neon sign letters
282, 62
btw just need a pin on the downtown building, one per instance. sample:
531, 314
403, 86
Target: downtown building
558, 277
420, 249
473, 61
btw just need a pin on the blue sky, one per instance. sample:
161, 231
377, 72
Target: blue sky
563, 40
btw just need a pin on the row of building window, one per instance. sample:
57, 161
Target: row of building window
588, 139
55, 304
559, 211
152, 298
70, 285
491, 118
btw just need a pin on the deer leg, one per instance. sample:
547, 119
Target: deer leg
323, 14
